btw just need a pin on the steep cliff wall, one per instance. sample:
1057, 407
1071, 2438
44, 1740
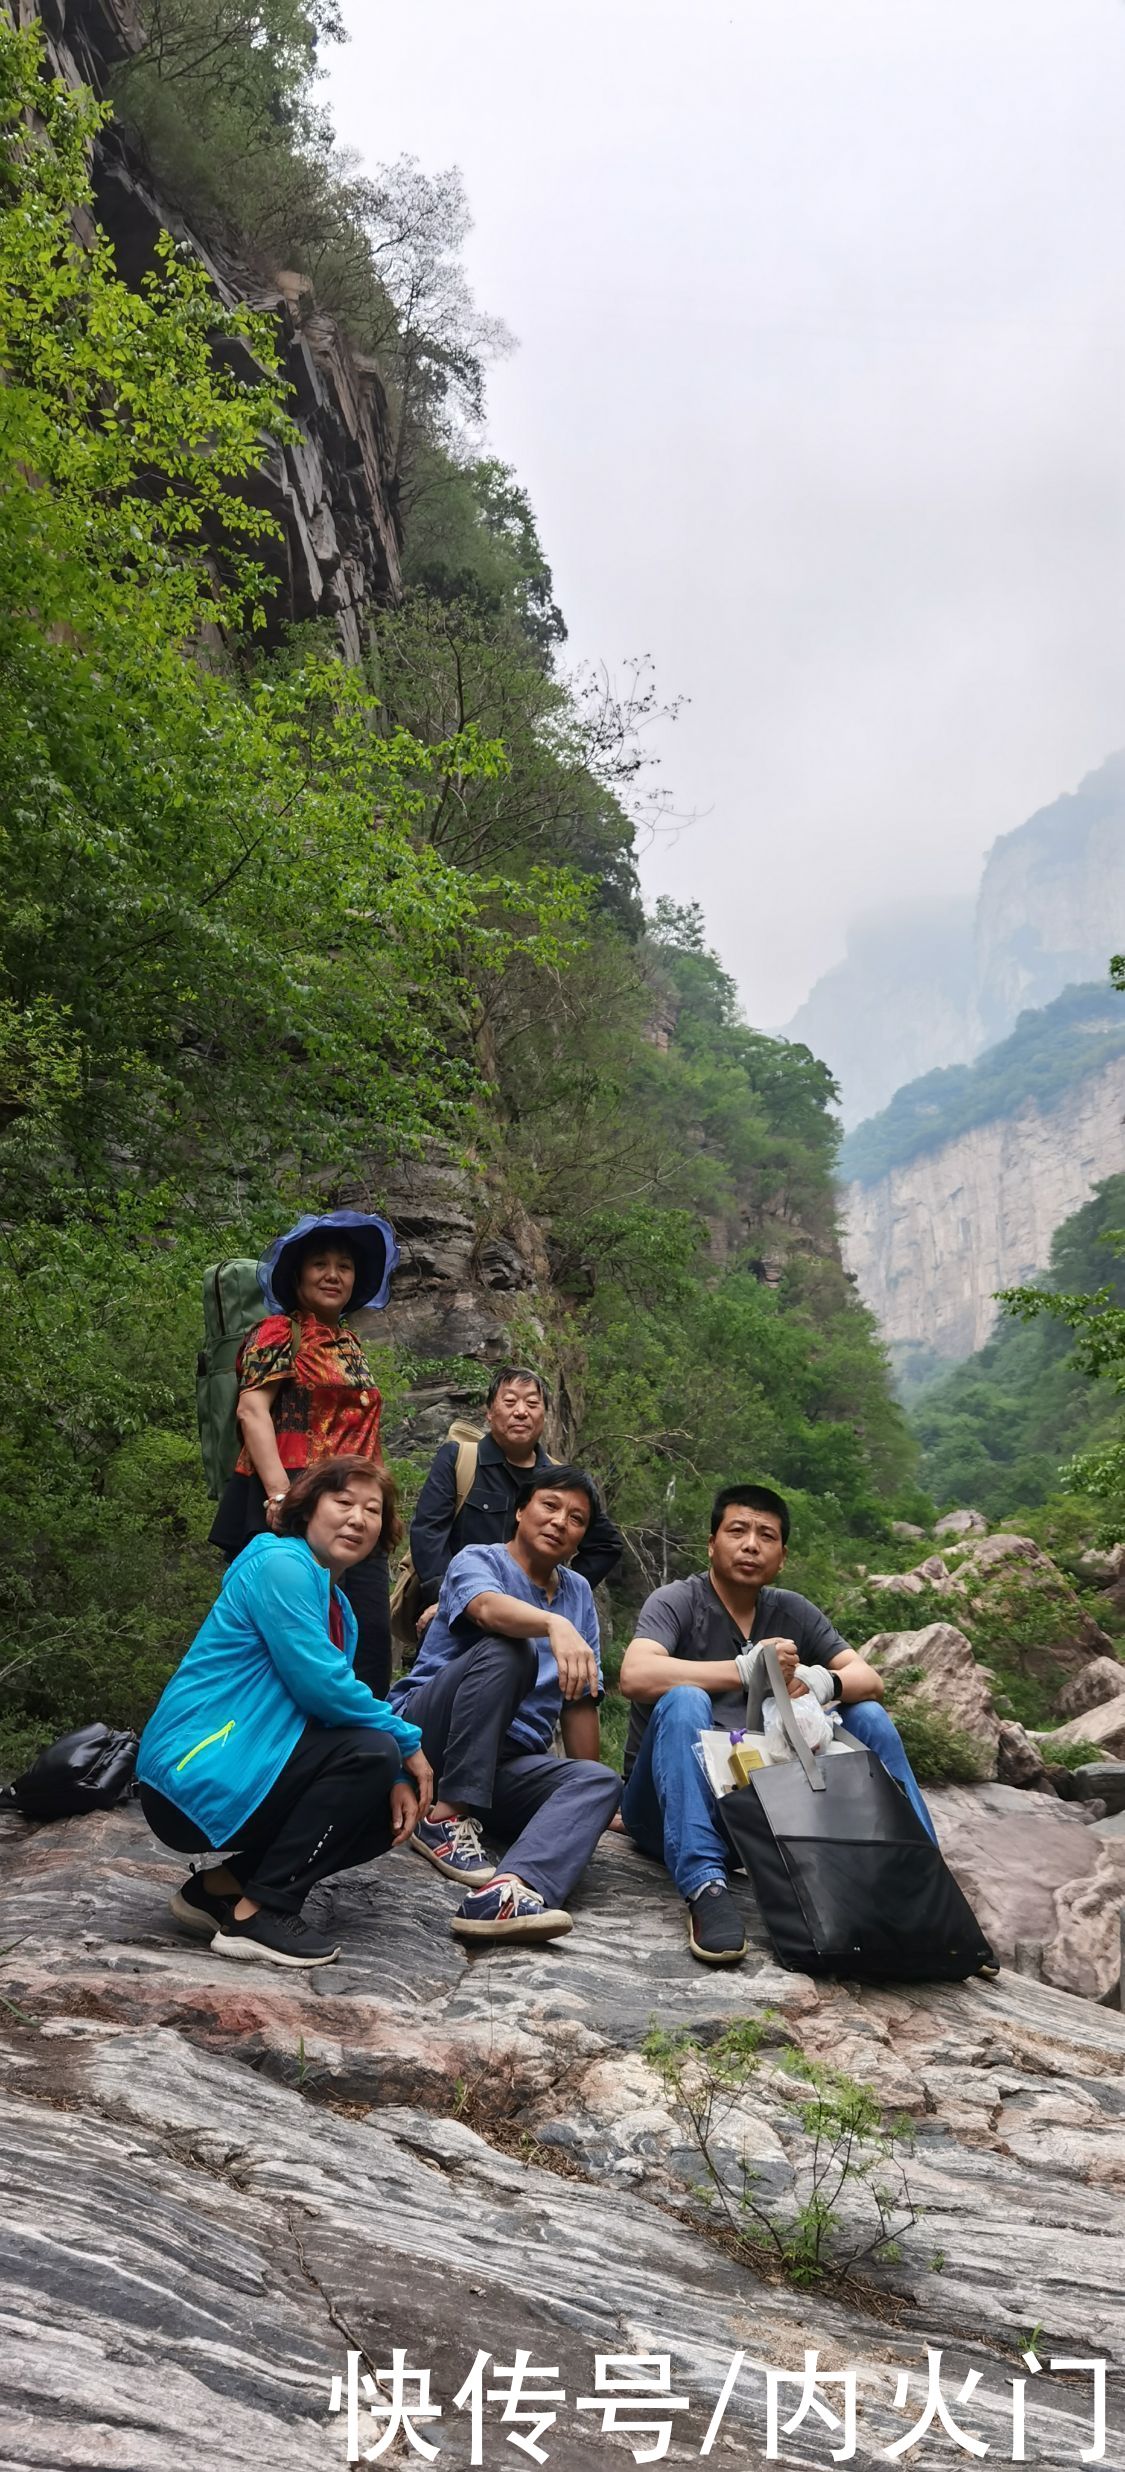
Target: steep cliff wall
1051, 908
928, 984
931, 1241
329, 489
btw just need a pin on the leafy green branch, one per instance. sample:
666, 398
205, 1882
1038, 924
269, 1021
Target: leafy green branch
853, 2201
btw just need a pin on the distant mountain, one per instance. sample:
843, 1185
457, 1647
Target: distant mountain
957, 1188
1052, 901
1050, 1050
899, 1003
929, 984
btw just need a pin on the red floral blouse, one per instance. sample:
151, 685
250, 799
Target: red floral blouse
327, 1403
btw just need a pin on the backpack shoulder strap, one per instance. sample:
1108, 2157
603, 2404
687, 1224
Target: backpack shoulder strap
468, 1454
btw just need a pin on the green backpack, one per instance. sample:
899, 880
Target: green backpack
233, 1304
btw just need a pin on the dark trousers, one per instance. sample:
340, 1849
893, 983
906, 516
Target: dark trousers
242, 1514
328, 1811
550, 1813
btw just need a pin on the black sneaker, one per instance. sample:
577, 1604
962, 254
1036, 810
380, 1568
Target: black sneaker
716, 1932
198, 1908
282, 1939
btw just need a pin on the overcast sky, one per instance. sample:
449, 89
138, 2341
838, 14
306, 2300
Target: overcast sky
820, 400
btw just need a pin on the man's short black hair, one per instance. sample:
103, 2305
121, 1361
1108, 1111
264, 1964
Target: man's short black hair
516, 1373
561, 1479
750, 1498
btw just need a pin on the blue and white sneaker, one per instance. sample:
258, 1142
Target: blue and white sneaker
454, 1848
508, 1911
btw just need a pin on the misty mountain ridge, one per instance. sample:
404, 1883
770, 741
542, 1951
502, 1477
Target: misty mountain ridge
926, 984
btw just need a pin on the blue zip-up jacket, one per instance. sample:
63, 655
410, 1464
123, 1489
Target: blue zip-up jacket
262, 1665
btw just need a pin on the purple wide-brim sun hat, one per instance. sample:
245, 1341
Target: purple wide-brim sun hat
369, 1238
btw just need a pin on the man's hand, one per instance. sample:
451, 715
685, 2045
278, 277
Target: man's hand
420, 1770
820, 1682
405, 1811
424, 1620
788, 1657
577, 1664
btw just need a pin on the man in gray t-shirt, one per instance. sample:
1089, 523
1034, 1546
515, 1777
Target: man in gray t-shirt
688, 1667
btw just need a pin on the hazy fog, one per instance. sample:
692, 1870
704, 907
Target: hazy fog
820, 399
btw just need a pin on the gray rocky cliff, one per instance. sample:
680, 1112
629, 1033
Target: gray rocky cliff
930, 1241
931, 983
1051, 907
218, 2181
329, 488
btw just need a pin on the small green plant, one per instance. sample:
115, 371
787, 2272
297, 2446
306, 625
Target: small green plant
939, 1752
1070, 1754
849, 2148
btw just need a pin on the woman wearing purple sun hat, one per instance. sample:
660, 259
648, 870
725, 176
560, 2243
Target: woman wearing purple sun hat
306, 1393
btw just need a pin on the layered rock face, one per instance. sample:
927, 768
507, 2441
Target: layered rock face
1051, 907
931, 1241
330, 489
932, 983
219, 2180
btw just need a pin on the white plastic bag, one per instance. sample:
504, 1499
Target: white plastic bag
813, 1720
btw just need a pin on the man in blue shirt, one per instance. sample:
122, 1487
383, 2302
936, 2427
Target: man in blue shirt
512, 1652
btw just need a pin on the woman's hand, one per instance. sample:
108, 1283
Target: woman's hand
273, 1506
420, 1770
405, 1813
424, 1620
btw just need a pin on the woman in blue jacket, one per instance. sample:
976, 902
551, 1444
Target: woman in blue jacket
266, 1742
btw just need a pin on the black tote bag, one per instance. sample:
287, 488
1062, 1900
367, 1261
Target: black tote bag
848, 1881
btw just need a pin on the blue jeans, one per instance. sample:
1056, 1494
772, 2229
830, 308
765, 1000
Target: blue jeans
668, 1807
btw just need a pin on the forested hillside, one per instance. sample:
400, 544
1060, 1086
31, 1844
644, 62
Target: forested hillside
273, 921
995, 1430
1047, 1053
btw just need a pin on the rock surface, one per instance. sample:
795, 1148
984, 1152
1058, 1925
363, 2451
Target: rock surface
931, 1242
962, 1523
220, 2180
1034, 1870
330, 488
1104, 1726
951, 1682
1019, 1760
1102, 1680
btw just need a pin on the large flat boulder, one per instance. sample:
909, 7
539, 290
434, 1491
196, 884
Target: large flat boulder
219, 2180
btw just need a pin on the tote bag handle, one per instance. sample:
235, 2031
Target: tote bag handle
789, 1726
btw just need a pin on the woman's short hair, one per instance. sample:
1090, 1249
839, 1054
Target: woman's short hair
332, 1476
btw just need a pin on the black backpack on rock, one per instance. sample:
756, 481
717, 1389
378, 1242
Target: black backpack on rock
86, 1771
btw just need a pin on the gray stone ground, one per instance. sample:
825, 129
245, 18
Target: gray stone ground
218, 2178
